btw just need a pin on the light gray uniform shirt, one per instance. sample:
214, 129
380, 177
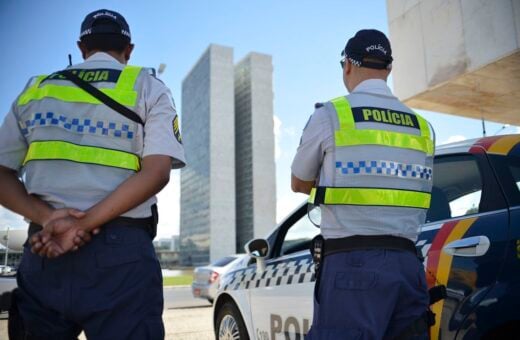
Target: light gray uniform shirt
316, 159
61, 183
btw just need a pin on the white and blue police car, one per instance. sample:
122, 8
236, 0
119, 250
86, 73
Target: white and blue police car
470, 244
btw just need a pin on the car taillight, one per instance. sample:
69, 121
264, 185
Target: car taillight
213, 277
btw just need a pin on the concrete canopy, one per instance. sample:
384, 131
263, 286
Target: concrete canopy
458, 56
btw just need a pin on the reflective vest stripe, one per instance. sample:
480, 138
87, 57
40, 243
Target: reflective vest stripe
127, 78
423, 125
387, 138
60, 150
373, 197
122, 92
344, 112
348, 135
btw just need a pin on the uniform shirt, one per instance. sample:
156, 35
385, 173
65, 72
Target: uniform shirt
315, 160
156, 108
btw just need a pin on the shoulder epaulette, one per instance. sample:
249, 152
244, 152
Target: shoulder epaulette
151, 71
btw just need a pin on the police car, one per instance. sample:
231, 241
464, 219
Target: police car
470, 244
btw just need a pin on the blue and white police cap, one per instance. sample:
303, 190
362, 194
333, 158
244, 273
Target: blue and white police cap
104, 21
369, 43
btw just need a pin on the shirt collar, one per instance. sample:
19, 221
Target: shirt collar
375, 86
102, 56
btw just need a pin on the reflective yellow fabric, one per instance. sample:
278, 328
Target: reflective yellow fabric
348, 135
127, 78
387, 138
344, 112
374, 197
123, 91
423, 125
312, 196
60, 150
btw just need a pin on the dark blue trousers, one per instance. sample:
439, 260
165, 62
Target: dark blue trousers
368, 294
111, 288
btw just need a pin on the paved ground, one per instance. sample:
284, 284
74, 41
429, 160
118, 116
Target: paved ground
181, 297
185, 318
189, 324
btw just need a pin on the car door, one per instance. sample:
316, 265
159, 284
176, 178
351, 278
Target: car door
464, 239
497, 316
282, 301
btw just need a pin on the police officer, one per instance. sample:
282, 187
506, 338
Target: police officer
87, 167
366, 159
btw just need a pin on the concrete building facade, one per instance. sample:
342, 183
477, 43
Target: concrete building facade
255, 167
208, 182
228, 189
458, 56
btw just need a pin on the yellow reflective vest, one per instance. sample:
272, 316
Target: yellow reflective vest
75, 126
371, 163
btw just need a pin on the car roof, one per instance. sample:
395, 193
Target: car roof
501, 145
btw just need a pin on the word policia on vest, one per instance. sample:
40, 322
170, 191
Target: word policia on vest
378, 115
93, 75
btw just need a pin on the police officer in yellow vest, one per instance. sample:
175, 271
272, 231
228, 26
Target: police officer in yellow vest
366, 159
86, 167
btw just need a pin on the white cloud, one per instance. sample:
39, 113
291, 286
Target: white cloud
287, 203
290, 131
454, 138
281, 131
169, 207
9, 218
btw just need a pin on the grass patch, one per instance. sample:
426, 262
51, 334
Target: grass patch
181, 280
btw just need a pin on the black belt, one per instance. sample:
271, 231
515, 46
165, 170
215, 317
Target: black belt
362, 242
146, 223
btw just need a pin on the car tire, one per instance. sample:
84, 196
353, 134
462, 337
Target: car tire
230, 325
210, 300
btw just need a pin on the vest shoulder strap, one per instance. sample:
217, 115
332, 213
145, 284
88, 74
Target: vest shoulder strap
129, 80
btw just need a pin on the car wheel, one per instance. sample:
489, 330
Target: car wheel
230, 325
210, 300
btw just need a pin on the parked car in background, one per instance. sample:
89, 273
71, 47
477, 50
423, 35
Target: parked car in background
470, 244
6, 270
206, 279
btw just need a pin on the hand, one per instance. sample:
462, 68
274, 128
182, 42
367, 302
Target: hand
38, 240
63, 237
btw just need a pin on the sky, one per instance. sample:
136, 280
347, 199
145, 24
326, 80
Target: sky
304, 38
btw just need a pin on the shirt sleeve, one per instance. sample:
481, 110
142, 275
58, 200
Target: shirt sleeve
309, 155
13, 146
161, 130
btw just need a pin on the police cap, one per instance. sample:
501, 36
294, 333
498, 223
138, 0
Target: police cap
104, 21
371, 44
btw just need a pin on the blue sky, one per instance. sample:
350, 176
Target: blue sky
304, 38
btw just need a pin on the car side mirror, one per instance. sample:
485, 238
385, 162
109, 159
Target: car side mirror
258, 249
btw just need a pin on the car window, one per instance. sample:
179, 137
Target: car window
508, 171
299, 236
514, 168
223, 261
457, 188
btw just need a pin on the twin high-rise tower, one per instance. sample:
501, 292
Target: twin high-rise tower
228, 189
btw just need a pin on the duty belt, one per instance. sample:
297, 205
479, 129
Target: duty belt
362, 242
148, 224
